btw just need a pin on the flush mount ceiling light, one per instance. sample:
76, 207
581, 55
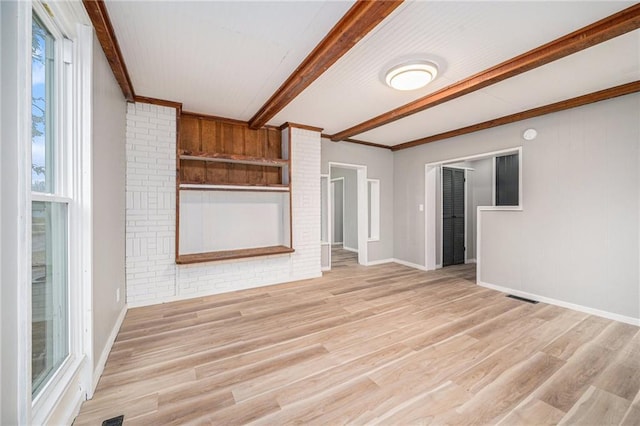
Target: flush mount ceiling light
411, 76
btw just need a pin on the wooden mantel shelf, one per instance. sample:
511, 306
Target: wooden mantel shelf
184, 259
232, 158
272, 187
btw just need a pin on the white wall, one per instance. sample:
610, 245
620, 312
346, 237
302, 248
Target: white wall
578, 233
580, 197
380, 165
152, 275
480, 194
109, 120
349, 224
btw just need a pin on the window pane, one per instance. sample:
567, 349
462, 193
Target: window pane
42, 132
49, 302
507, 176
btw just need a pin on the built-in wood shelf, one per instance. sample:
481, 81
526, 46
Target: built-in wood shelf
272, 187
232, 158
242, 177
184, 259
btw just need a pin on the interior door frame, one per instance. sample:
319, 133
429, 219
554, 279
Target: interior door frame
333, 213
431, 174
329, 215
363, 203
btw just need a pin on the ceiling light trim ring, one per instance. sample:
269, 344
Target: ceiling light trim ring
412, 75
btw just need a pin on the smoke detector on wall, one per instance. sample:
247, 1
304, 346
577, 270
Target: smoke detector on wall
530, 134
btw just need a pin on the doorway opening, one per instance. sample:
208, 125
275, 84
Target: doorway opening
348, 214
454, 189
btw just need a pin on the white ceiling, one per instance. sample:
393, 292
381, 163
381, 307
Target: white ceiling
227, 58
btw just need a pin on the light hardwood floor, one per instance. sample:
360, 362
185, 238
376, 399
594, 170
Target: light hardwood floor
369, 345
342, 258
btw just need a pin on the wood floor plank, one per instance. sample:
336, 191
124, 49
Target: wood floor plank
584, 332
632, 416
565, 388
325, 380
134, 407
597, 407
424, 408
385, 344
533, 412
506, 391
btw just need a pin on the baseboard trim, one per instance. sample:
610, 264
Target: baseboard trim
563, 304
470, 261
379, 262
410, 264
349, 249
102, 361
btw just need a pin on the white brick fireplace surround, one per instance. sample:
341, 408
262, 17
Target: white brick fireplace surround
152, 275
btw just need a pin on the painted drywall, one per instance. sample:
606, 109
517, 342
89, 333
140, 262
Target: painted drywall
338, 211
349, 226
579, 227
380, 165
480, 194
109, 171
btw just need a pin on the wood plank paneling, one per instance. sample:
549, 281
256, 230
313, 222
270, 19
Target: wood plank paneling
384, 344
228, 138
190, 138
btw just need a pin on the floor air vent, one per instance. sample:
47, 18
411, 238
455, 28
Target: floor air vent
522, 299
114, 421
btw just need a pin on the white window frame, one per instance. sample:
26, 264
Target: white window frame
60, 398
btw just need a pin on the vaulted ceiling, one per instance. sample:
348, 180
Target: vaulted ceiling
227, 58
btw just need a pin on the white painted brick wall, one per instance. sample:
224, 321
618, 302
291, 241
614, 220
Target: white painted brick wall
152, 275
150, 204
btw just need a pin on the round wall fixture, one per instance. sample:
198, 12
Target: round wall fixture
529, 134
411, 76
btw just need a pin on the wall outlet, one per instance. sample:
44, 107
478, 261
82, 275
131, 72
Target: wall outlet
421, 207
117, 295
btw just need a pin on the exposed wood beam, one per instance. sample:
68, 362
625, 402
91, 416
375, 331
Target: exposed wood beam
613, 92
375, 145
161, 102
613, 26
354, 25
300, 126
106, 36
365, 143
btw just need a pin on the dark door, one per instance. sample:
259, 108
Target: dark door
452, 216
